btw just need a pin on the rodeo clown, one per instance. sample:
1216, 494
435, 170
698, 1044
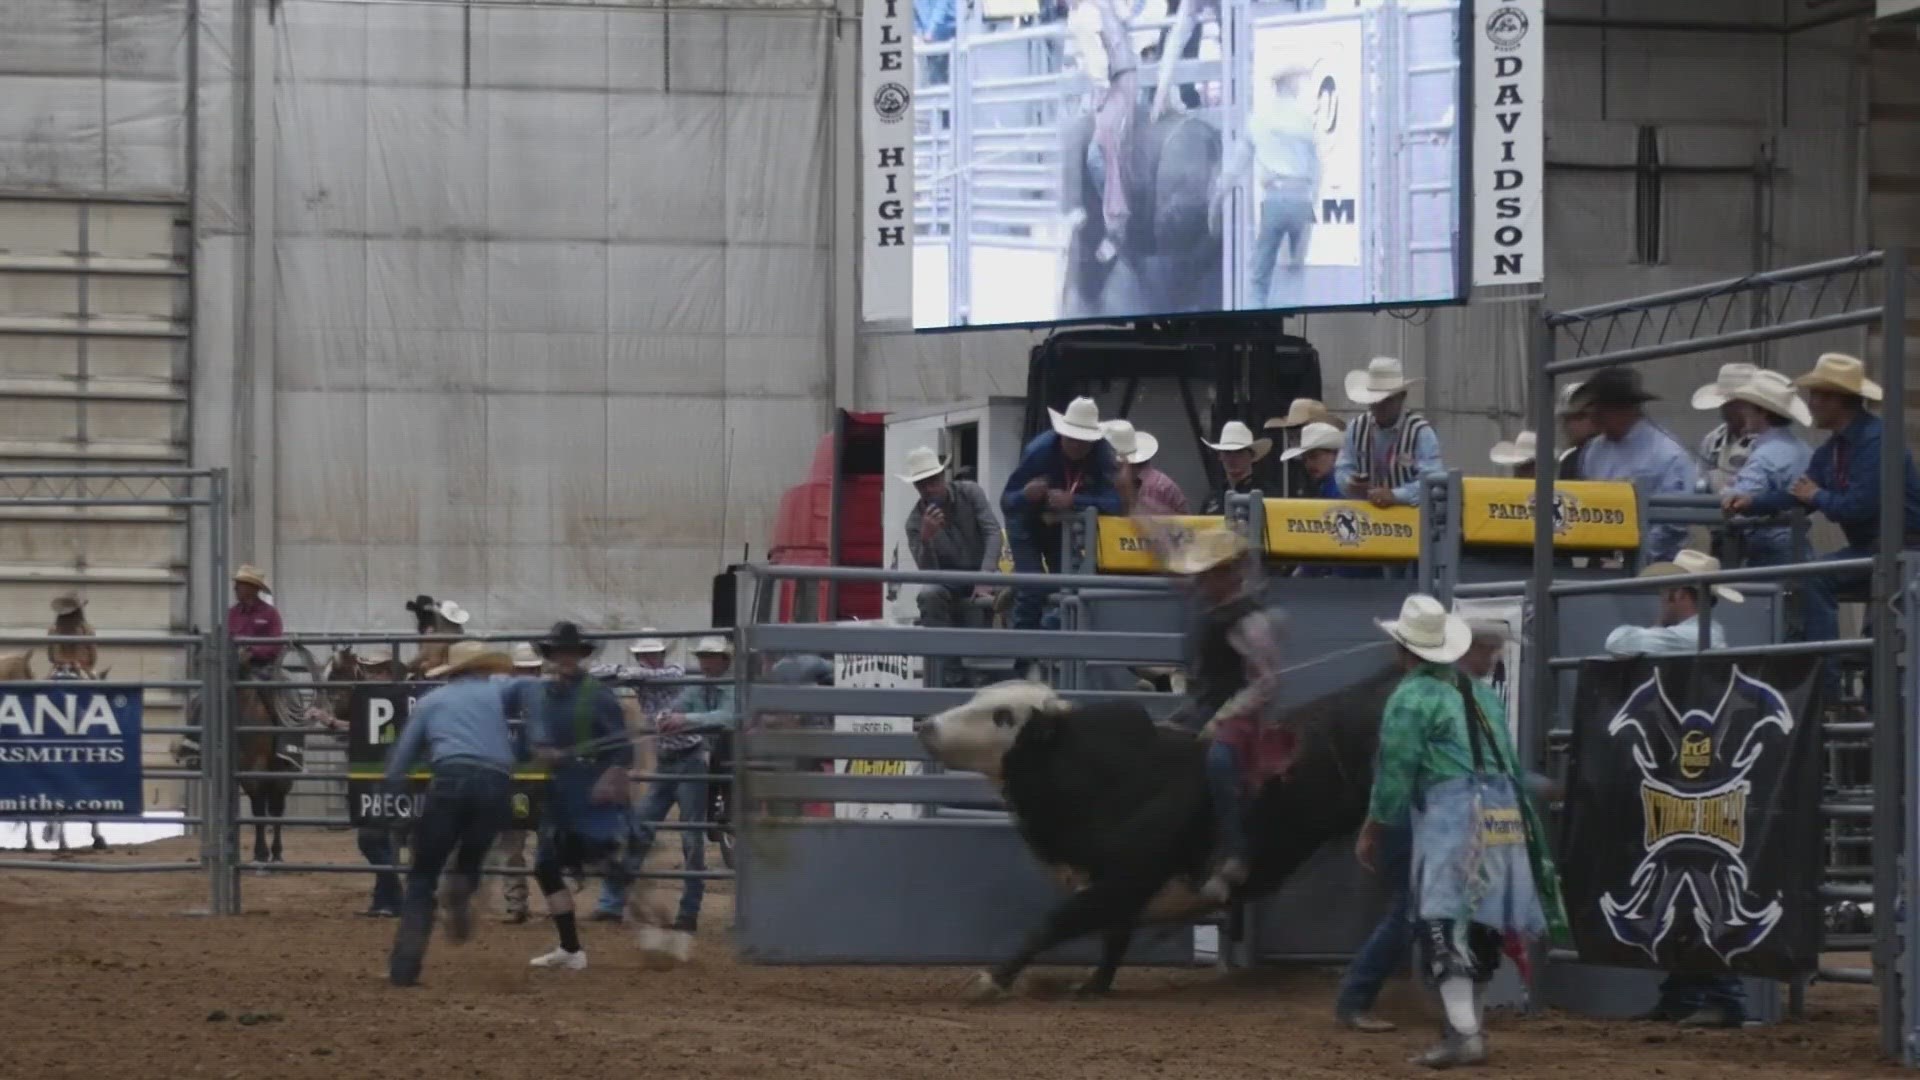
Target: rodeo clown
1481, 871
1233, 670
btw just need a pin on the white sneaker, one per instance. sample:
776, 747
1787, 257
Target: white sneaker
561, 958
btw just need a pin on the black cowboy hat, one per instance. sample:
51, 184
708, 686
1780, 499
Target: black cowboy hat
1614, 387
566, 637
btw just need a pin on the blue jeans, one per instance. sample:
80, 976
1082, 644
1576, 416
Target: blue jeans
466, 808
1229, 802
1034, 552
377, 847
1690, 993
1282, 217
1822, 603
1386, 949
662, 796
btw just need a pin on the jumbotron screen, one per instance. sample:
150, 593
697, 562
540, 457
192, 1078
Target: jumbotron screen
1098, 159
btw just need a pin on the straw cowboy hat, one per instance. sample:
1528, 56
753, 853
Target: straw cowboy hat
1206, 551
1720, 390
1689, 561
1614, 387
1302, 412
68, 603
566, 637
1315, 436
1382, 379
922, 464
713, 645
1235, 435
467, 656
647, 644
374, 654
1080, 421
1773, 392
1515, 451
524, 656
1135, 447
454, 613
1838, 371
1428, 630
1566, 398
248, 574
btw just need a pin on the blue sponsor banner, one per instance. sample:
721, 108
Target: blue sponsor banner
70, 751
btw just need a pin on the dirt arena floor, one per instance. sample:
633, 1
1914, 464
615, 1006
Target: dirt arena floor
113, 976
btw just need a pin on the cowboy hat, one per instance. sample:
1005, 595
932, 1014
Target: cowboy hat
1689, 561
454, 613
249, 574
1484, 629
647, 644
1515, 451
467, 656
1383, 378
1315, 436
374, 653
1428, 630
1566, 398
1206, 551
1134, 447
1302, 412
1235, 435
1080, 421
1773, 392
566, 637
68, 603
922, 464
1720, 390
1614, 387
524, 656
713, 645
1838, 371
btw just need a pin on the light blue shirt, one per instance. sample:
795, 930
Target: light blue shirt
1426, 459
1775, 459
708, 706
463, 723
1655, 464
1681, 637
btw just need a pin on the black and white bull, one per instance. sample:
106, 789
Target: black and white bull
1116, 806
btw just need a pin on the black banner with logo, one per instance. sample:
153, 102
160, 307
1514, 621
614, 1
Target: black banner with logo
1692, 838
376, 718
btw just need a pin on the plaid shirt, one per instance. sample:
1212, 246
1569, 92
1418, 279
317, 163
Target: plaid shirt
654, 700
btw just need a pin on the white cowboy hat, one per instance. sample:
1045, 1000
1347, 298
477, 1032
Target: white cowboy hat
1302, 412
1133, 446
524, 656
1518, 450
1428, 630
67, 603
1315, 436
467, 656
713, 645
1235, 435
647, 644
1489, 629
1207, 550
1689, 561
1382, 379
1566, 397
373, 653
1720, 390
453, 613
1838, 371
1773, 392
1080, 421
249, 574
922, 464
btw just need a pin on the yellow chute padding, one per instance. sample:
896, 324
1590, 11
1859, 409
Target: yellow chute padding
1121, 548
1588, 515
1329, 529
519, 775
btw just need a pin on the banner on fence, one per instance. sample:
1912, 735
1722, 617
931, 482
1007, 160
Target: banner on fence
877, 672
1694, 813
1509, 142
375, 719
1341, 529
886, 151
70, 752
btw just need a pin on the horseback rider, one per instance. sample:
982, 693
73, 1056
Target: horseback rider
74, 660
252, 615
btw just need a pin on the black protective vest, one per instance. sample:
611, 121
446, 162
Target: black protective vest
1214, 667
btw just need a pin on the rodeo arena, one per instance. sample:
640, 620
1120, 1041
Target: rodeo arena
997, 538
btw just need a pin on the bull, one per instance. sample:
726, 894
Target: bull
1116, 806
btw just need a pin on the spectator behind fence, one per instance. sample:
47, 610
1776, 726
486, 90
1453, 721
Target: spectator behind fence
651, 677
951, 527
1628, 446
75, 660
1144, 489
1238, 452
1389, 447
1517, 454
1724, 449
1576, 428
1060, 472
1764, 409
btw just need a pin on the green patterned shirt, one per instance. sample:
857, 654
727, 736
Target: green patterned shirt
1423, 739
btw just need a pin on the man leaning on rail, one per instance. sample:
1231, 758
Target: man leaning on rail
1629, 446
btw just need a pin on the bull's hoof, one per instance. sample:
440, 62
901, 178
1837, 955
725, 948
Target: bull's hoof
983, 990
663, 949
1092, 990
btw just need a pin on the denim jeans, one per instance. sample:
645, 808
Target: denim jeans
1229, 802
1386, 949
1035, 550
377, 847
663, 795
1282, 217
1822, 604
467, 806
